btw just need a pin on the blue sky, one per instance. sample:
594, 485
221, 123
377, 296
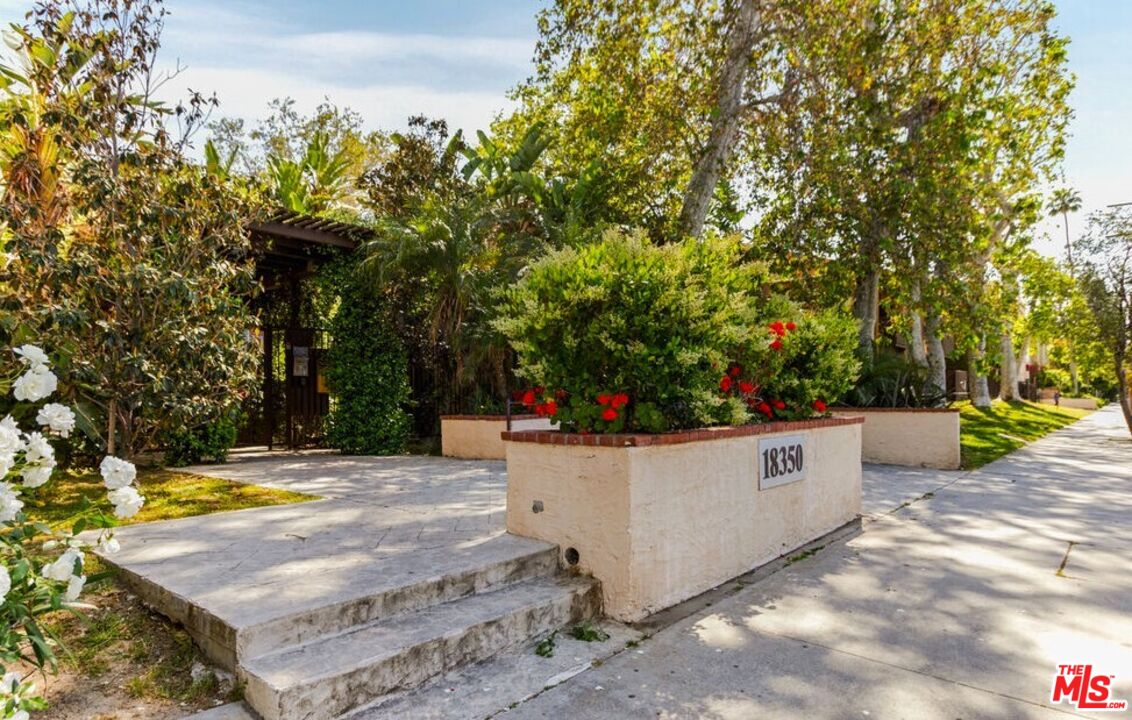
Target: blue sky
457, 58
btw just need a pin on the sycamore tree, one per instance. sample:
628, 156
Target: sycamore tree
661, 94
127, 259
918, 131
1106, 280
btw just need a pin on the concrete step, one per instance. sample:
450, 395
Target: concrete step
328, 677
505, 560
290, 591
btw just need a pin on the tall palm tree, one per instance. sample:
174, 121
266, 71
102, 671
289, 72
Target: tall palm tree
1064, 201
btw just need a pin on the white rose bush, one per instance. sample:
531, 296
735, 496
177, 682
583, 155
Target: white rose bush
42, 568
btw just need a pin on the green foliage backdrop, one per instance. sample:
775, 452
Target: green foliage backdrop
367, 373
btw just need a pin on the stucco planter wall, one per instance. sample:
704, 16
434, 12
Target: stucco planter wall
477, 437
1078, 403
661, 518
916, 437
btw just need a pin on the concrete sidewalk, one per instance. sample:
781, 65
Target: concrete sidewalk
957, 605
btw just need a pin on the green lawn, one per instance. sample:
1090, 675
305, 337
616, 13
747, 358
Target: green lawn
120, 649
987, 435
167, 494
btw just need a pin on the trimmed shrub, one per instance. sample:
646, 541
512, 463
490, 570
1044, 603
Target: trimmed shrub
191, 446
368, 376
623, 335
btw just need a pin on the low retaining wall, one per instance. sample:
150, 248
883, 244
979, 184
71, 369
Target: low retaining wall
477, 437
661, 518
916, 437
1077, 403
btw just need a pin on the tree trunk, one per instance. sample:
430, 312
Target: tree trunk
866, 309
111, 420
937, 362
1073, 373
1009, 370
916, 335
976, 378
1124, 391
710, 164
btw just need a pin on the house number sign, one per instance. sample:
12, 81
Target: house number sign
782, 460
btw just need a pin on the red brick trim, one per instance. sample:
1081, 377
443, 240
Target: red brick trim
555, 437
501, 418
840, 409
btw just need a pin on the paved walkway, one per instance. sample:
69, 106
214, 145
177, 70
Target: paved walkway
957, 605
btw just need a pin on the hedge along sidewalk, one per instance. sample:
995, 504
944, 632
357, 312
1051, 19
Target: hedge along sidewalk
987, 434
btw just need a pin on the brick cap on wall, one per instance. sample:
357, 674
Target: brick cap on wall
555, 437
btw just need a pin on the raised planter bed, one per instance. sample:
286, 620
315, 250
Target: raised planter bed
661, 518
916, 437
477, 437
1077, 403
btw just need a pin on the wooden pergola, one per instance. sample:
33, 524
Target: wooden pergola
290, 247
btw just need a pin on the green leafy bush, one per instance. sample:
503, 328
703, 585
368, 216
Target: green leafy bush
892, 381
190, 446
624, 335
812, 364
368, 376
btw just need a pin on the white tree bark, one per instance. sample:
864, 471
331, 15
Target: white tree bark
1009, 370
980, 390
937, 361
713, 160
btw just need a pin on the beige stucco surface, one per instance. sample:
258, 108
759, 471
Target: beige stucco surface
909, 437
1078, 403
660, 524
478, 439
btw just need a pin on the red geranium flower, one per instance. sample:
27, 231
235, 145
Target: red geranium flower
529, 397
736, 370
791, 326
560, 394
778, 328
604, 399
619, 400
777, 344
725, 383
551, 408
764, 409
819, 406
778, 404
746, 387
539, 389
609, 415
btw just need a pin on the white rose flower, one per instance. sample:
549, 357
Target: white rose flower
5, 583
60, 419
63, 568
38, 450
10, 440
109, 545
34, 385
117, 473
32, 355
10, 503
37, 475
10, 683
7, 462
127, 501
74, 588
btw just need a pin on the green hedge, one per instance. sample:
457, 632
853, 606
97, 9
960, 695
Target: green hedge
624, 335
367, 374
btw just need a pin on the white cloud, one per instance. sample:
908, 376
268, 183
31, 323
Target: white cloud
245, 93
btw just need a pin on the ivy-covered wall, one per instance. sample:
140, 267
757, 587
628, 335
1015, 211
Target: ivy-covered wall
368, 369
